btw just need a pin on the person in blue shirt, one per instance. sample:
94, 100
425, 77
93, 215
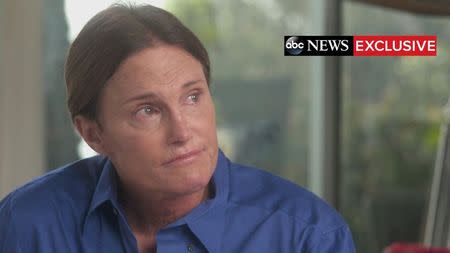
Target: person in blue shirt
138, 93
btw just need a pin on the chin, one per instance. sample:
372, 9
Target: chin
198, 183
193, 184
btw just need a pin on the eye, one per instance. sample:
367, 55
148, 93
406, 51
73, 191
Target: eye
193, 98
146, 110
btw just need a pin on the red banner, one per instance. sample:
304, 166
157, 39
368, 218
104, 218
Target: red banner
395, 45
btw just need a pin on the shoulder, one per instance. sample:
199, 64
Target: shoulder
35, 215
68, 185
254, 187
292, 214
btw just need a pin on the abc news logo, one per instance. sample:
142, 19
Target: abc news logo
361, 45
318, 45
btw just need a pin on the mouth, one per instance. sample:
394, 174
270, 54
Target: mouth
184, 159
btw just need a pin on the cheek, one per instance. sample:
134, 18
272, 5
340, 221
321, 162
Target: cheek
206, 114
128, 145
208, 133
210, 125
203, 123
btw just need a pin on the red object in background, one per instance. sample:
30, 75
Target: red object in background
394, 45
412, 248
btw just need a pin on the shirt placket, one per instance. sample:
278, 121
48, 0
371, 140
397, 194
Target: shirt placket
177, 239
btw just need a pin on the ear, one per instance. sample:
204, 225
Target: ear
90, 131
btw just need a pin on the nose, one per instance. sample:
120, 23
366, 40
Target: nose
178, 129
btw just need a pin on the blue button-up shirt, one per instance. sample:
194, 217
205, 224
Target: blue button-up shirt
75, 209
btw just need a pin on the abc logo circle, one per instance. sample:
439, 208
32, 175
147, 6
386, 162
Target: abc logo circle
294, 46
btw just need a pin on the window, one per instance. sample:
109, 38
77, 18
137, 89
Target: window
392, 112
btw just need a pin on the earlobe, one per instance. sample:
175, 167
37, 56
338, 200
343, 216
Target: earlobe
90, 132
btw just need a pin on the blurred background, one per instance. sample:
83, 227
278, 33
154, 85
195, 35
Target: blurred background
363, 133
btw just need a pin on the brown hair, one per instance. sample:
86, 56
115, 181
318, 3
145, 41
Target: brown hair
109, 38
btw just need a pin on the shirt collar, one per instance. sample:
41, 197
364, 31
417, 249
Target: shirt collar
105, 190
206, 221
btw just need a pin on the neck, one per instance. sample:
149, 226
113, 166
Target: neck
147, 212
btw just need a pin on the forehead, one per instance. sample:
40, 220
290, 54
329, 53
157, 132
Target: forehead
155, 68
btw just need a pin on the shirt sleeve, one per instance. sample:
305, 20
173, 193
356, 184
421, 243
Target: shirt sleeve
335, 241
8, 235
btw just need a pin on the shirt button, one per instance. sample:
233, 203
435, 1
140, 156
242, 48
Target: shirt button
190, 247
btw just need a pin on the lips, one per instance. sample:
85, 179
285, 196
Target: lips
184, 158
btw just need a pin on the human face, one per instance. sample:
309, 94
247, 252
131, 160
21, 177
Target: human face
158, 122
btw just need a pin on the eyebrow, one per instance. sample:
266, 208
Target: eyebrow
149, 95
